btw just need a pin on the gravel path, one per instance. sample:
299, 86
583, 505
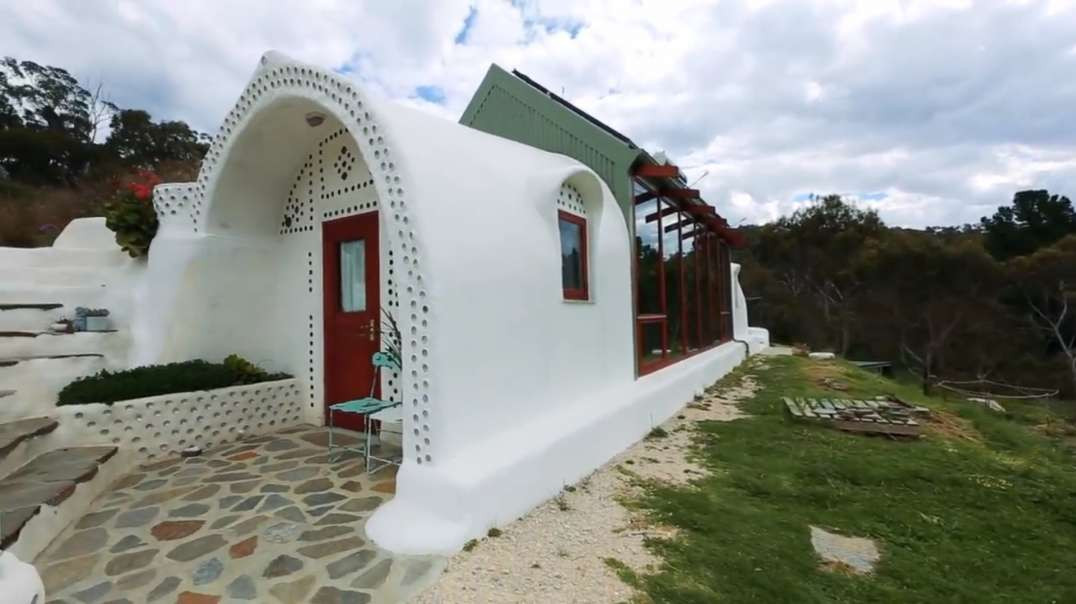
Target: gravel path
556, 552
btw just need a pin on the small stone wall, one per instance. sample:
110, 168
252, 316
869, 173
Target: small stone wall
155, 427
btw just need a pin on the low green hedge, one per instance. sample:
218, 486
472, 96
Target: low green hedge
152, 380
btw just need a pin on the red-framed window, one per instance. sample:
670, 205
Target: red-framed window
682, 286
573, 255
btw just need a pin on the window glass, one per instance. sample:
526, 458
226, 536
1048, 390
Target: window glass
571, 255
670, 249
648, 259
650, 335
691, 290
353, 275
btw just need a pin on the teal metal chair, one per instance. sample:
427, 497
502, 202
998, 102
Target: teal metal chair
366, 407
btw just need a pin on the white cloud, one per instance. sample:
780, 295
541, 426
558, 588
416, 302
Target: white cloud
932, 112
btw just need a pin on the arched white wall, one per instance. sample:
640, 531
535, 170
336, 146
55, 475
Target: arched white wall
509, 391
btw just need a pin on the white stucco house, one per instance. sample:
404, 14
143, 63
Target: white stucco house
510, 270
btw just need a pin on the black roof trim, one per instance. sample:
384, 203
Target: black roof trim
576, 110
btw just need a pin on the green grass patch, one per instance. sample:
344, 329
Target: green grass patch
982, 509
153, 380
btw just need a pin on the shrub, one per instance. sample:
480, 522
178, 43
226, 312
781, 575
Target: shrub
657, 432
131, 216
152, 380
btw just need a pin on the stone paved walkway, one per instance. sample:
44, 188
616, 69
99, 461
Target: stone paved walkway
268, 519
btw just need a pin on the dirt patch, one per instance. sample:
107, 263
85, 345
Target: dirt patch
820, 370
947, 425
558, 551
1058, 428
826, 375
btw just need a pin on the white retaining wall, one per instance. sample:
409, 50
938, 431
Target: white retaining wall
145, 430
154, 427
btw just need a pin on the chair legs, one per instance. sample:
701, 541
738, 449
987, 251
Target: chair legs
336, 450
367, 428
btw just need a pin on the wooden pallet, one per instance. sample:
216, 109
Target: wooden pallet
853, 415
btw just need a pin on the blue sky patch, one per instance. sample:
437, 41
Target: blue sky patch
571, 26
433, 94
468, 23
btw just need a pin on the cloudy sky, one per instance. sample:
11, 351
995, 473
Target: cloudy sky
933, 112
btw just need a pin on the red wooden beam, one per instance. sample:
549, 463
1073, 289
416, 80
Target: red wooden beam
664, 212
657, 171
703, 211
692, 233
680, 193
669, 194
673, 227
645, 197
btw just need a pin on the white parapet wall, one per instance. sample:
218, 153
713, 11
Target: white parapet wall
155, 427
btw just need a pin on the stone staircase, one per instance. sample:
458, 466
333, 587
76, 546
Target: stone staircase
43, 483
35, 363
40, 286
50, 475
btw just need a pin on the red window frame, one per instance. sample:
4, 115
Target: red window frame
576, 293
706, 313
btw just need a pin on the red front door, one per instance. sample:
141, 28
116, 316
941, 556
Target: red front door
352, 310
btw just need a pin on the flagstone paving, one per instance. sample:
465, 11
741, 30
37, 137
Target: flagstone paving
268, 519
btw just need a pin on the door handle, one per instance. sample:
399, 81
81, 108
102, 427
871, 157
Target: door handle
373, 331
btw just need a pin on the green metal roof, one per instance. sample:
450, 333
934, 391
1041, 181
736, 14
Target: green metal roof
515, 107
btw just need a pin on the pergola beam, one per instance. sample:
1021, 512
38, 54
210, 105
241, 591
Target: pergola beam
657, 171
668, 193
682, 223
680, 193
645, 197
661, 214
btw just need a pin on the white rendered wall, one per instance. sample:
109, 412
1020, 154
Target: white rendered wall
509, 390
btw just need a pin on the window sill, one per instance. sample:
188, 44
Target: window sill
654, 366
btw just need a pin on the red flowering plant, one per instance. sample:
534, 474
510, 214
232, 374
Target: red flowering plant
130, 214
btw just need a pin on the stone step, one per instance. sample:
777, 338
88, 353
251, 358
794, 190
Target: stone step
48, 276
5, 306
39, 379
17, 344
15, 432
11, 361
47, 479
53, 257
28, 316
22, 296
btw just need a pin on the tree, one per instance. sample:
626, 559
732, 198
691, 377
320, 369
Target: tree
931, 288
42, 156
100, 112
1034, 220
812, 254
47, 97
44, 123
139, 141
1047, 282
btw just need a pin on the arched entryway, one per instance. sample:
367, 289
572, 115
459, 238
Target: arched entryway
301, 150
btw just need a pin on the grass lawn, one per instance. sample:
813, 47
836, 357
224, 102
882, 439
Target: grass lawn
981, 509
